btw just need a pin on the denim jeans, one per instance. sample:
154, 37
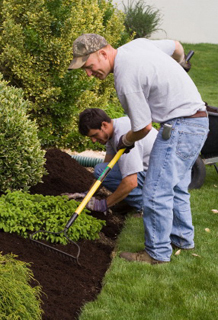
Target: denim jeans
167, 214
114, 178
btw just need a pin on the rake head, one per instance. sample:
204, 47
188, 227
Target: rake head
53, 249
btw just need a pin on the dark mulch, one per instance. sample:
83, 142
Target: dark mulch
67, 285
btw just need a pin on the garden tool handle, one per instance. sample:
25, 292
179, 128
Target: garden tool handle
189, 55
94, 187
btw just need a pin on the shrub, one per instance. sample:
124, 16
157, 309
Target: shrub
18, 300
21, 158
36, 40
21, 213
141, 20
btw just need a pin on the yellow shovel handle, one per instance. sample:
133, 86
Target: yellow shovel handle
99, 181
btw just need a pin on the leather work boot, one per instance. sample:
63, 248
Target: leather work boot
141, 256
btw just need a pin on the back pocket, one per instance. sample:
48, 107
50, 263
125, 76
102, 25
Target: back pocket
189, 144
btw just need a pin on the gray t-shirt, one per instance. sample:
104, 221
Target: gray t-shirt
151, 85
167, 46
138, 158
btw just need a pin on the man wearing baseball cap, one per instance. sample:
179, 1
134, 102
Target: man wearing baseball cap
84, 46
152, 85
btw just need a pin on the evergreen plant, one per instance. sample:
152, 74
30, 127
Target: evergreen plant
18, 300
36, 39
21, 157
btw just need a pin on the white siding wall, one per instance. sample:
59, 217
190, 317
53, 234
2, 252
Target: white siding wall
191, 21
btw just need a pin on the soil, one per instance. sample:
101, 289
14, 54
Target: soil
67, 285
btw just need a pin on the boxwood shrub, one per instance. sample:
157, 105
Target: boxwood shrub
21, 157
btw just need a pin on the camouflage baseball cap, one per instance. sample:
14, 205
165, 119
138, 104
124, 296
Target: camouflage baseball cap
83, 46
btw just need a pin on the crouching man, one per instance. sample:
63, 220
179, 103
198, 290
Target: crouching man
126, 179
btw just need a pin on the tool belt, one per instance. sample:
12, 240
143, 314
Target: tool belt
198, 114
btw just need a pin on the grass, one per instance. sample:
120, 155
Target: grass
185, 289
204, 71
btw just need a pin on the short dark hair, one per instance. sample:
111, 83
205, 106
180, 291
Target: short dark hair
92, 118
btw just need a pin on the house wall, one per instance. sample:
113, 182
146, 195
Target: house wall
191, 21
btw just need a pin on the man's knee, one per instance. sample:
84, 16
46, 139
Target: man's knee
99, 168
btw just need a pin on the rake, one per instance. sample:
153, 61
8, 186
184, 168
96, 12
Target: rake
77, 212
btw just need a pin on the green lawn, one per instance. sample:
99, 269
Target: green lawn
186, 288
204, 71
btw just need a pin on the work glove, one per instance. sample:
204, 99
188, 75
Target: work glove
97, 205
124, 143
93, 204
185, 64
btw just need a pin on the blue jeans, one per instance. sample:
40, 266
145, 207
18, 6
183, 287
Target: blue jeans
114, 178
167, 213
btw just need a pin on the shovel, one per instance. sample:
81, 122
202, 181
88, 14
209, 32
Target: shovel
77, 212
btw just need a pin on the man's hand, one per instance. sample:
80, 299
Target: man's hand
180, 56
97, 205
125, 144
93, 204
185, 64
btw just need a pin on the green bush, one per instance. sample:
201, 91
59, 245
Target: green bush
141, 20
21, 213
36, 40
18, 300
21, 158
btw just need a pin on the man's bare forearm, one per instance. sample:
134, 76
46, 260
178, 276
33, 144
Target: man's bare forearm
125, 187
132, 136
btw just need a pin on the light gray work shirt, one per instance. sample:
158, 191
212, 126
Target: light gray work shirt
151, 85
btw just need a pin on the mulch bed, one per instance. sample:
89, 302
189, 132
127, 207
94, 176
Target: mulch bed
67, 286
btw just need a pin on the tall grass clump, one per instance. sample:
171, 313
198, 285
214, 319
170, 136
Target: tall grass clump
141, 20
